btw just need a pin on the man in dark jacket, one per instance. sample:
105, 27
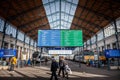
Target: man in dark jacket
62, 66
54, 67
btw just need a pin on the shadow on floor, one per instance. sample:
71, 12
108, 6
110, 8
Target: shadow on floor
41, 78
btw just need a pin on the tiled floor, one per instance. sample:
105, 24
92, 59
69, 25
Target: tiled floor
43, 73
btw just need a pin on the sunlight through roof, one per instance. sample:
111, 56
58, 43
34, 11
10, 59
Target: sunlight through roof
60, 13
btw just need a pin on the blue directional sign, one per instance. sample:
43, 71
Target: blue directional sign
7, 52
112, 53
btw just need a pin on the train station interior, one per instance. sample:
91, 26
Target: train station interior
37, 36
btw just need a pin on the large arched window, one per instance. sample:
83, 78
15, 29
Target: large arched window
32, 42
20, 36
27, 40
110, 30
118, 25
10, 30
100, 36
1, 25
93, 40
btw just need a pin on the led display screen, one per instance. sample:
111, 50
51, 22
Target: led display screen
65, 38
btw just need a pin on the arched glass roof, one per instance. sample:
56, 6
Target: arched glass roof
60, 13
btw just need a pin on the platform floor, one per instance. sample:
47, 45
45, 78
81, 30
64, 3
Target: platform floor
43, 73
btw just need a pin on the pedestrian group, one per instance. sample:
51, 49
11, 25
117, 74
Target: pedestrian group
63, 67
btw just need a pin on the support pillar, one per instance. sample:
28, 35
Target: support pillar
104, 39
90, 44
116, 34
97, 49
24, 43
86, 45
29, 47
16, 38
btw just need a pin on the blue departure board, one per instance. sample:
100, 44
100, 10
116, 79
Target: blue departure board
65, 38
49, 38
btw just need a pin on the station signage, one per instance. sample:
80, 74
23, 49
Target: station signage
59, 52
112, 53
64, 38
7, 52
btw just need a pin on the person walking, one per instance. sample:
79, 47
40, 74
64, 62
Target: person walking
46, 60
13, 62
61, 66
67, 70
54, 67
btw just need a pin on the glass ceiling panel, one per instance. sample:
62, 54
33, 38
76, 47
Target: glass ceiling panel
60, 13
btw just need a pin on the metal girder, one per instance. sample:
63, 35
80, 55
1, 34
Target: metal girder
89, 22
24, 12
81, 15
99, 27
84, 36
36, 28
64, 21
59, 25
84, 20
35, 37
59, 0
89, 11
16, 11
79, 19
33, 34
80, 26
55, 26
95, 25
41, 26
24, 25
31, 22
60, 13
72, 23
106, 17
